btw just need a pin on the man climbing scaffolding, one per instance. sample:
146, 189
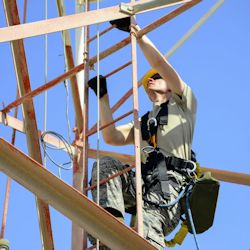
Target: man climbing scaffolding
166, 142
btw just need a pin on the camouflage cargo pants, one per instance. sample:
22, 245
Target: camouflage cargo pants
116, 196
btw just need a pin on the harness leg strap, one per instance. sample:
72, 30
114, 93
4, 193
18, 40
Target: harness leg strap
163, 178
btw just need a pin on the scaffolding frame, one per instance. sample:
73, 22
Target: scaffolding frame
10, 156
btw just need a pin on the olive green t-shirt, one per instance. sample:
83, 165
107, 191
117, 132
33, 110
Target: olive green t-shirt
176, 137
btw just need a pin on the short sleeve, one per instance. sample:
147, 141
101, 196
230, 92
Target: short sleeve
187, 100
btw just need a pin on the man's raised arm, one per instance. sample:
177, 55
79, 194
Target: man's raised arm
114, 135
160, 63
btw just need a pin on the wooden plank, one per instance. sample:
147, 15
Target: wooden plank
68, 200
60, 23
63, 23
223, 175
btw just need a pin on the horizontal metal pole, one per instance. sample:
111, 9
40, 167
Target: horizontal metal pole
233, 177
148, 5
44, 87
68, 200
223, 175
228, 176
194, 28
94, 130
102, 55
145, 30
62, 23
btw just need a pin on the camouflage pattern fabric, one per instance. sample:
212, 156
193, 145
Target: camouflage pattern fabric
116, 195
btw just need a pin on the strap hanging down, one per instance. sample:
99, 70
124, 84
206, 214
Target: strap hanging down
149, 126
163, 177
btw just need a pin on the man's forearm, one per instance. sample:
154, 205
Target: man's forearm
106, 117
160, 64
152, 54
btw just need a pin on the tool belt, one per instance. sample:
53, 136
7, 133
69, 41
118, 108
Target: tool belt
154, 172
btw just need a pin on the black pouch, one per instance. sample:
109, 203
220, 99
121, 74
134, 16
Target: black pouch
203, 200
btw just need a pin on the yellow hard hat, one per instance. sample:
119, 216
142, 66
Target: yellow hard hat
149, 74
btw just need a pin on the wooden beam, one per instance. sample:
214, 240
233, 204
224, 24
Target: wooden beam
68, 200
229, 176
60, 23
30, 124
223, 175
133, 8
63, 23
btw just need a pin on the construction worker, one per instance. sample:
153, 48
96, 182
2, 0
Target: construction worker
166, 139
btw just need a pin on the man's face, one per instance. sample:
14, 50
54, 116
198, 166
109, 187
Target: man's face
157, 85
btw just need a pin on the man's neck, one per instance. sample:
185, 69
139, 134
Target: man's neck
160, 98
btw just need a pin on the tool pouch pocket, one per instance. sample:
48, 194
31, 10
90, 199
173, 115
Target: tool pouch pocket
203, 200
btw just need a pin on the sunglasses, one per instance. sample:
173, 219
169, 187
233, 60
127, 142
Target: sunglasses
156, 76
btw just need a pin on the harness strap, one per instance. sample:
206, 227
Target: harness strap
163, 178
179, 164
149, 126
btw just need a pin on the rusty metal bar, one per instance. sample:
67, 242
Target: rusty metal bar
118, 69
60, 23
111, 177
70, 64
7, 189
93, 131
223, 175
104, 54
167, 17
5, 208
145, 30
44, 87
25, 11
137, 140
80, 176
228, 176
101, 33
22, 74
63, 23
68, 200
133, 8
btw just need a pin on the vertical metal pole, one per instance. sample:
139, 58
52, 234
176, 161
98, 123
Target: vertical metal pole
85, 90
18, 51
80, 173
79, 43
7, 190
5, 209
136, 134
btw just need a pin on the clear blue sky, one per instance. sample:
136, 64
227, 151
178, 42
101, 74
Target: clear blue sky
214, 62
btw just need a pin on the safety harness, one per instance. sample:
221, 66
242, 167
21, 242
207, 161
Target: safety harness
157, 165
198, 187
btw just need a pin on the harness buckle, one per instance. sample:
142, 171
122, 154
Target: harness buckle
191, 171
150, 121
147, 150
